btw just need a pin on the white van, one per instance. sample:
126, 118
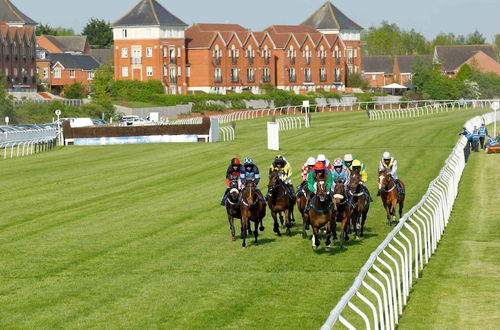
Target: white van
78, 122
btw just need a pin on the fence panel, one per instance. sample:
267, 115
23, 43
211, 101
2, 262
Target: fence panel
23, 143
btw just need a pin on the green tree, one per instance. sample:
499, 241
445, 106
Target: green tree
497, 43
101, 87
475, 38
74, 91
99, 33
356, 81
46, 29
6, 106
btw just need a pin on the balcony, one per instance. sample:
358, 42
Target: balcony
136, 60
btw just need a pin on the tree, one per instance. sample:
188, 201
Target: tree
74, 91
101, 87
99, 33
46, 29
356, 81
475, 38
497, 43
6, 106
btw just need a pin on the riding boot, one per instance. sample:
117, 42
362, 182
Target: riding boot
367, 193
262, 198
399, 187
291, 192
224, 199
310, 202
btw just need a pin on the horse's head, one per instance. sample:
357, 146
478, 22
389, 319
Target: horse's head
321, 190
339, 191
355, 180
383, 179
274, 180
249, 192
234, 190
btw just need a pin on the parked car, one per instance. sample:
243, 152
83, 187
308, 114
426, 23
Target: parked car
99, 122
9, 129
77, 122
134, 121
27, 127
48, 125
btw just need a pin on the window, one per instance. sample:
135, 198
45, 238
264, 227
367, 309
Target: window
337, 74
45, 73
165, 70
250, 75
350, 59
136, 56
217, 53
165, 52
234, 54
188, 72
291, 54
149, 71
322, 74
307, 55
266, 75
149, 51
124, 33
124, 52
57, 72
267, 54
173, 78
218, 75
234, 75
250, 55
173, 59
91, 75
307, 75
374, 77
179, 71
292, 76
72, 74
124, 71
322, 55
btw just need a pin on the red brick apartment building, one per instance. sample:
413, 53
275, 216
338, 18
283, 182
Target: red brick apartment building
152, 43
17, 48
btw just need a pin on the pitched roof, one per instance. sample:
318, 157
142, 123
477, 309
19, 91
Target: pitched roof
291, 29
377, 64
77, 62
407, 62
10, 14
149, 12
210, 27
451, 57
69, 44
329, 17
103, 56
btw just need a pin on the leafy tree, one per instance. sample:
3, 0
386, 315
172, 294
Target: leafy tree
46, 29
464, 73
101, 87
74, 91
6, 106
99, 33
475, 38
497, 43
356, 81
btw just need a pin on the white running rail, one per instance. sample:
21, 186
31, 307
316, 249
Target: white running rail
381, 289
23, 143
227, 133
289, 123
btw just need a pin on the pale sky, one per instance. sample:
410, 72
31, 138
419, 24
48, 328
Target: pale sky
428, 17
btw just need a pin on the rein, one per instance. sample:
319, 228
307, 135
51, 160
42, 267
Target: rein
356, 195
323, 211
245, 203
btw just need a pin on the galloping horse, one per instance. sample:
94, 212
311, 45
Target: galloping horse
343, 212
252, 209
233, 207
390, 195
322, 213
279, 202
361, 204
303, 195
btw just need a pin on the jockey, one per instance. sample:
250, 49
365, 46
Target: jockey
340, 173
319, 169
250, 171
285, 173
348, 161
322, 158
308, 167
390, 164
232, 174
359, 167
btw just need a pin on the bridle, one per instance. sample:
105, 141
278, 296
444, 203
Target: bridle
329, 205
247, 187
383, 178
353, 193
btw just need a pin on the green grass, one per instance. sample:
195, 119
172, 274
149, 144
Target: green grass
133, 236
459, 287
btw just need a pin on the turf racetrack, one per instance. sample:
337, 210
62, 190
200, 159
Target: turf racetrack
134, 237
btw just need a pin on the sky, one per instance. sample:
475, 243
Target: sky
428, 17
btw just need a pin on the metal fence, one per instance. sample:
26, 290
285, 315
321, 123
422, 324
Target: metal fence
187, 121
289, 123
227, 133
380, 290
427, 109
23, 143
74, 103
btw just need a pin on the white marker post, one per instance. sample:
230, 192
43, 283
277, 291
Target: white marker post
306, 106
58, 114
7, 119
495, 106
273, 136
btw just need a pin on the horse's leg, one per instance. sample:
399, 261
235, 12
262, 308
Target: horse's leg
334, 229
363, 221
244, 223
282, 220
388, 212
328, 240
315, 237
401, 206
305, 225
231, 227
288, 223
261, 228
276, 228
256, 231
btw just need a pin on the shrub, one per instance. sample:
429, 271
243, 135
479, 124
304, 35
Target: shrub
74, 91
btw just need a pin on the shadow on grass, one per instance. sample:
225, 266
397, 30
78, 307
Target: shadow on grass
262, 241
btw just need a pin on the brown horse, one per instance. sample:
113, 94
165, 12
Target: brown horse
279, 203
343, 212
361, 204
322, 213
233, 207
252, 209
303, 195
390, 196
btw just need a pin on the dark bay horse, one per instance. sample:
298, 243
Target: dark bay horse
233, 207
303, 195
252, 209
343, 212
322, 213
390, 195
361, 204
279, 203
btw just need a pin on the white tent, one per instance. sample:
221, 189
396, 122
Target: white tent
395, 86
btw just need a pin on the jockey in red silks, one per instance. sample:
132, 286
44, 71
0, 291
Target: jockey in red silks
232, 174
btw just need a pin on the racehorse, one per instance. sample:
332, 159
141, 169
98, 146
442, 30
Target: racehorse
252, 209
303, 195
279, 202
390, 195
322, 213
361, 204
343, 212
233, 207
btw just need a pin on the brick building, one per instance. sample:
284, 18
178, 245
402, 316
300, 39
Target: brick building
152, 43
67, 69
404, 65
378, 71
17, 48
452, 58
